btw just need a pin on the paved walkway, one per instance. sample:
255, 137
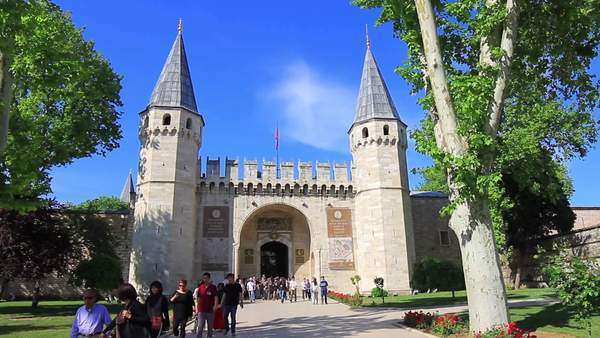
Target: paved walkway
302, 319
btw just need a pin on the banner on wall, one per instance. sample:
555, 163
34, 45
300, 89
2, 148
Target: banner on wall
339, 231
216, 222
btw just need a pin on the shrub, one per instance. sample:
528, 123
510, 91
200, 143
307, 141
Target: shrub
448, 324
432, 273
577, 280
511, 330
378, 293
420, 320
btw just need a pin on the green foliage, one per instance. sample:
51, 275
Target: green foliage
549, 100
102, 204
431, 273
355, 280
65, 100
101, 267
577, 280
378, 291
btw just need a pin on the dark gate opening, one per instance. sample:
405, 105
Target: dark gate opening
274, 260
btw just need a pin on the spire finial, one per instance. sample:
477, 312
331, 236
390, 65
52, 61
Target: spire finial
180, 26
367, 35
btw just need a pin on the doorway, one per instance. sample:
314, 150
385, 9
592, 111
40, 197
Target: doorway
274, 259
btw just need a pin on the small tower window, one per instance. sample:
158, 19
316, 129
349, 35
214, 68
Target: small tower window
166, 120
188, 123
386, 130
365, 132
146, 121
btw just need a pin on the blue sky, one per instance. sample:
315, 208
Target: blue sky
253, 64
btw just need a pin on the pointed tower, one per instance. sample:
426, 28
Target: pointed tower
128, 192
383, 215
165, 211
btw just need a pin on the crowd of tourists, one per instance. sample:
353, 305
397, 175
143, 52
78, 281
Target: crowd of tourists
210, 305
282, 289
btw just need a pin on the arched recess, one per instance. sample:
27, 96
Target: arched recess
277, 222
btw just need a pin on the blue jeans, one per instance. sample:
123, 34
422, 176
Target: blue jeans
323, 295
282, 295
227, 310
252, 295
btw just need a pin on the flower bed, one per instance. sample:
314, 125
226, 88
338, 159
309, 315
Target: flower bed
345, 298
458, 325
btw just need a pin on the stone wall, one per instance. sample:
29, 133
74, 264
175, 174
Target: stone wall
429, 227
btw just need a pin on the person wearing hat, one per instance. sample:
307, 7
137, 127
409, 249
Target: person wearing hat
91, 318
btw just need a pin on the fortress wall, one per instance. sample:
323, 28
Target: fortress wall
289, 178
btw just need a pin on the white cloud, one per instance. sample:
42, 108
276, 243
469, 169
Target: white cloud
311, 109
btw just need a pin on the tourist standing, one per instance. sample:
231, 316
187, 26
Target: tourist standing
323, 290
232, 297
90, 318
183, 308
307, 287
208, 300
157, 308
293, 292
281, 288
315, 291
133, 320
251, 287
219, 323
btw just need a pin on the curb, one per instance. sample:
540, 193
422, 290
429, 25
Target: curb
404, 327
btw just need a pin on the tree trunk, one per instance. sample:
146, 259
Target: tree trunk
6, 97
486, 294
470, 220
35, 300
3, 287
518, 268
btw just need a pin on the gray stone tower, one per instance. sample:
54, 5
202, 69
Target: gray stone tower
165, 210
383, 215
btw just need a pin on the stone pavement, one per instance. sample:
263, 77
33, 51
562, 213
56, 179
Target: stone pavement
302, 319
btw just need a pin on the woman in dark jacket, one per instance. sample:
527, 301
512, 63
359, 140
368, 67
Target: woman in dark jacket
132, 321
183, 306
157, 307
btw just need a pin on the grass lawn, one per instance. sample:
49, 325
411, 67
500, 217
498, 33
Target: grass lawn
425, 300
51, 319
554, 318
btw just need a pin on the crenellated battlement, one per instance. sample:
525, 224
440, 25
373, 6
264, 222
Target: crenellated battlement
301, 178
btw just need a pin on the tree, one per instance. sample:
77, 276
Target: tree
577, 280
100, 267
434, 274
59, 95
378, 290
102, 204
36, 245
474, 61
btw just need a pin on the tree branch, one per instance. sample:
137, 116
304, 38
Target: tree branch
507, 44
454, 143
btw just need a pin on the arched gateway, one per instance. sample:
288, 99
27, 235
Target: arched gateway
274, 240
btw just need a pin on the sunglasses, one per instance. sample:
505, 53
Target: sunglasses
89, 297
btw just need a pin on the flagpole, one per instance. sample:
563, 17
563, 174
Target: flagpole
277, 147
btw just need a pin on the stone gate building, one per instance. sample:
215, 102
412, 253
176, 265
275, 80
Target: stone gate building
304, 219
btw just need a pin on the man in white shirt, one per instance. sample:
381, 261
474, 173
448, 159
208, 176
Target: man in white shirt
251, 287
292, 287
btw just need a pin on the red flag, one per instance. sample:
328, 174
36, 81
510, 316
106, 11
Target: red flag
277, 138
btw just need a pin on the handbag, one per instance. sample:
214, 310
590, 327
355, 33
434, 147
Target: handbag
156, 322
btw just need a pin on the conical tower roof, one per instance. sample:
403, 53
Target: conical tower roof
174, 87
374, 100
128, 189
